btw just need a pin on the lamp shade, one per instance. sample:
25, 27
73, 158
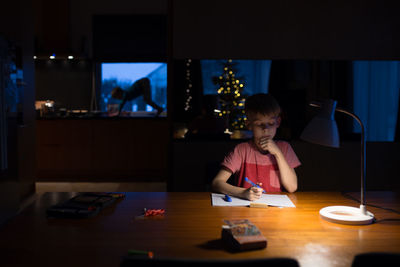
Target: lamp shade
322, 129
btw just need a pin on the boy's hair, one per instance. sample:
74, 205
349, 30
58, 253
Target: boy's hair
261, 103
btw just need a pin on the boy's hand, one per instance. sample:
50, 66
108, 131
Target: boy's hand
253, 193
268, 144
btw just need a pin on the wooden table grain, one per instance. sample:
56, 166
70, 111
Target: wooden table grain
191, 228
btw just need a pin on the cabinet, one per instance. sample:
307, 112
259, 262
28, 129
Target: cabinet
102, 149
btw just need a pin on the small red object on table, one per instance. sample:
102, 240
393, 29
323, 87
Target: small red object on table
153, 212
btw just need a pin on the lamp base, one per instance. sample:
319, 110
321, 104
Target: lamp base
346, 215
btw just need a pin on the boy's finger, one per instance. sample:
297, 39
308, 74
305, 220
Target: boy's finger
255, 189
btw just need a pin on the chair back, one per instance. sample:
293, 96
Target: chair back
377, 259
130, 261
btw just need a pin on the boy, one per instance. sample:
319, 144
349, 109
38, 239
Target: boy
140, 87
268, 163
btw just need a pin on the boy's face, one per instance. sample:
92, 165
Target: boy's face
262, 126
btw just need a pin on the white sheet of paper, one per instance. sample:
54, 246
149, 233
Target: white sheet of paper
271, 200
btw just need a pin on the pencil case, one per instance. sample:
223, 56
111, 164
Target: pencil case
83, 205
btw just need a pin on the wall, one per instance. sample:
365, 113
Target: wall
70, 84
286, 29
16, 23
81, 13
67, 82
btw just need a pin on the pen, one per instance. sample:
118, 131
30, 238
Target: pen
253, 184
150, 254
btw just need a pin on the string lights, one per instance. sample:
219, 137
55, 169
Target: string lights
188, 87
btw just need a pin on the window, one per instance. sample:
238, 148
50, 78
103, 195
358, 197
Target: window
124, 75
254, 74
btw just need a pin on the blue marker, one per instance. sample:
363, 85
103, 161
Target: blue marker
253, 184
227, 198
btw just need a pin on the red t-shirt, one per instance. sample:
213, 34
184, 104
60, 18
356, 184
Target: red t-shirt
247, 161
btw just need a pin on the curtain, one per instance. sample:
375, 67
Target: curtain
376, 98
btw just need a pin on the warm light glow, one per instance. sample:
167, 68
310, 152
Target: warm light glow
34, 57
70, 57
346, 215
227, 131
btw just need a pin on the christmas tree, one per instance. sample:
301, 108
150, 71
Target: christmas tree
231, 98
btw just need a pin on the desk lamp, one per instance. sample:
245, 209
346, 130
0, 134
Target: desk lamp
322, 130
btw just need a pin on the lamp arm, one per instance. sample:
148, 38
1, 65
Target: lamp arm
363, 147
363, 152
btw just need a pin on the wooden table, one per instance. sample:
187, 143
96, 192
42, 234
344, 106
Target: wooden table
191, 228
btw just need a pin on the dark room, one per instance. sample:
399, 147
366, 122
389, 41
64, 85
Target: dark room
180, 132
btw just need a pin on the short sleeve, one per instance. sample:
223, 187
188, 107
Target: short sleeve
233, 160
290, 155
